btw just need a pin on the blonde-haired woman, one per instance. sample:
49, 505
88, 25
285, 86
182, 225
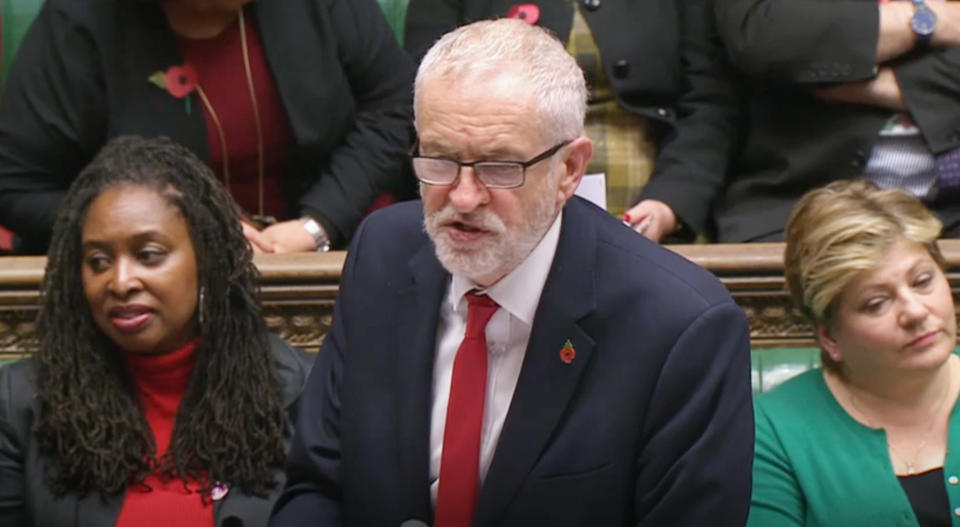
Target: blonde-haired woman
865, 440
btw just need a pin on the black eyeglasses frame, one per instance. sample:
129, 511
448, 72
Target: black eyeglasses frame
546, 154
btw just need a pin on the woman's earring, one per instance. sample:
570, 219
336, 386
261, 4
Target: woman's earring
200, 306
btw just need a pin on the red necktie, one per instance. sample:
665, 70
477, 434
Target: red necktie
460, 461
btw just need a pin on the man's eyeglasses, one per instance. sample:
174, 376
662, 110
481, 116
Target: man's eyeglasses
493, 174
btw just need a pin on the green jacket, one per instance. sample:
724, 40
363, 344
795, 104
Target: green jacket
815, 465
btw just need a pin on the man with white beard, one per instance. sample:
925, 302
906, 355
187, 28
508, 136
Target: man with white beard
527, 360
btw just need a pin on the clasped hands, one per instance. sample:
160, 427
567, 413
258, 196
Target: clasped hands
281, 237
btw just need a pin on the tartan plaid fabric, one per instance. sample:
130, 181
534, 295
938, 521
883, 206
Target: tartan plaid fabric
623, 148
948, 172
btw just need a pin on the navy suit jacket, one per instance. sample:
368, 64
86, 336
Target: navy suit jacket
650, 424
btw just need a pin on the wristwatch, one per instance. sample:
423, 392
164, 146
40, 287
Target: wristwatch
923, 22
316, 230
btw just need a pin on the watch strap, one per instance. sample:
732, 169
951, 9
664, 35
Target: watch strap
319, 234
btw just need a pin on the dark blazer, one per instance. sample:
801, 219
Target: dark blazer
26, 501
80, 78
650, 424
638, 40
794, 142
664, 62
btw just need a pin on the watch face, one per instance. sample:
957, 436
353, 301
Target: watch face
924, 21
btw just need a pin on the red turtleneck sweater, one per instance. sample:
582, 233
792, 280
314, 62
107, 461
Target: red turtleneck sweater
161, 382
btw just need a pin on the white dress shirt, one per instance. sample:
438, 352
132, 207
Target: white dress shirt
508, 332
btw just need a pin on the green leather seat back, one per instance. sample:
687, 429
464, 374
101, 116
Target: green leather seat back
772, 366
17, 15
396, 13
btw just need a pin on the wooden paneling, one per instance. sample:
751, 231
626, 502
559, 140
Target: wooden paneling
299, 291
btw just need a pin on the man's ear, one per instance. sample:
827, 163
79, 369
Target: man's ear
578, 154
828, 343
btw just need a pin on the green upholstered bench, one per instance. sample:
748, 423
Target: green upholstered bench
772, 366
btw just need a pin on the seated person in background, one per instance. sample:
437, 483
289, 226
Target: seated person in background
302, 107
658, 89
585, 400
872, 438
157, 396
839, 89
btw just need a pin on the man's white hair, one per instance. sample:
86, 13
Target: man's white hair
511, 45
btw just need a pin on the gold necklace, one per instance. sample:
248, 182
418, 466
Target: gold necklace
910, 464
256, 119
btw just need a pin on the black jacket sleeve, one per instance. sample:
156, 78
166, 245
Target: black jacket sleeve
371, 157
689, 171
52, 120
930, 85
16, 419
801, 41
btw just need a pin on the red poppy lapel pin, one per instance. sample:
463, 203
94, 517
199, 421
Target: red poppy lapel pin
179, 81
529, 13
567, 353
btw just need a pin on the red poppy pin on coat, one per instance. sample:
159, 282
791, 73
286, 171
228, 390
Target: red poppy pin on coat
529, 13
178, 81
567, 353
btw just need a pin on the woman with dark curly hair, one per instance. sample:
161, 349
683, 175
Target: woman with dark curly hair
157, 396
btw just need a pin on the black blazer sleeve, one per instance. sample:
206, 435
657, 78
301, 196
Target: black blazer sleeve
16, 393
801, 41
371, 156
930, 85
52, 120
690, 167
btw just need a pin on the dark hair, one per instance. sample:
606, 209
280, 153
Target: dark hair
231, 424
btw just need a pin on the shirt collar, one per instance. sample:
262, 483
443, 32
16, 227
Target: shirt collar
519, 291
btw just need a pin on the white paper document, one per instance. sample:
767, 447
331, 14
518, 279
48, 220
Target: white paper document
593, 187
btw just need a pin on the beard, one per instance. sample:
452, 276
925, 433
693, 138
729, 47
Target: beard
500, 250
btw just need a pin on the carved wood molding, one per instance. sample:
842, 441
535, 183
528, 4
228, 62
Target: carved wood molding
298, 293
299, 290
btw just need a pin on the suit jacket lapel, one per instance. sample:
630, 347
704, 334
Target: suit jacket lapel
418, 309
546, 381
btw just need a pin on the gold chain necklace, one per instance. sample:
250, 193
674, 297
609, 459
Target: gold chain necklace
256, 118
910, 464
